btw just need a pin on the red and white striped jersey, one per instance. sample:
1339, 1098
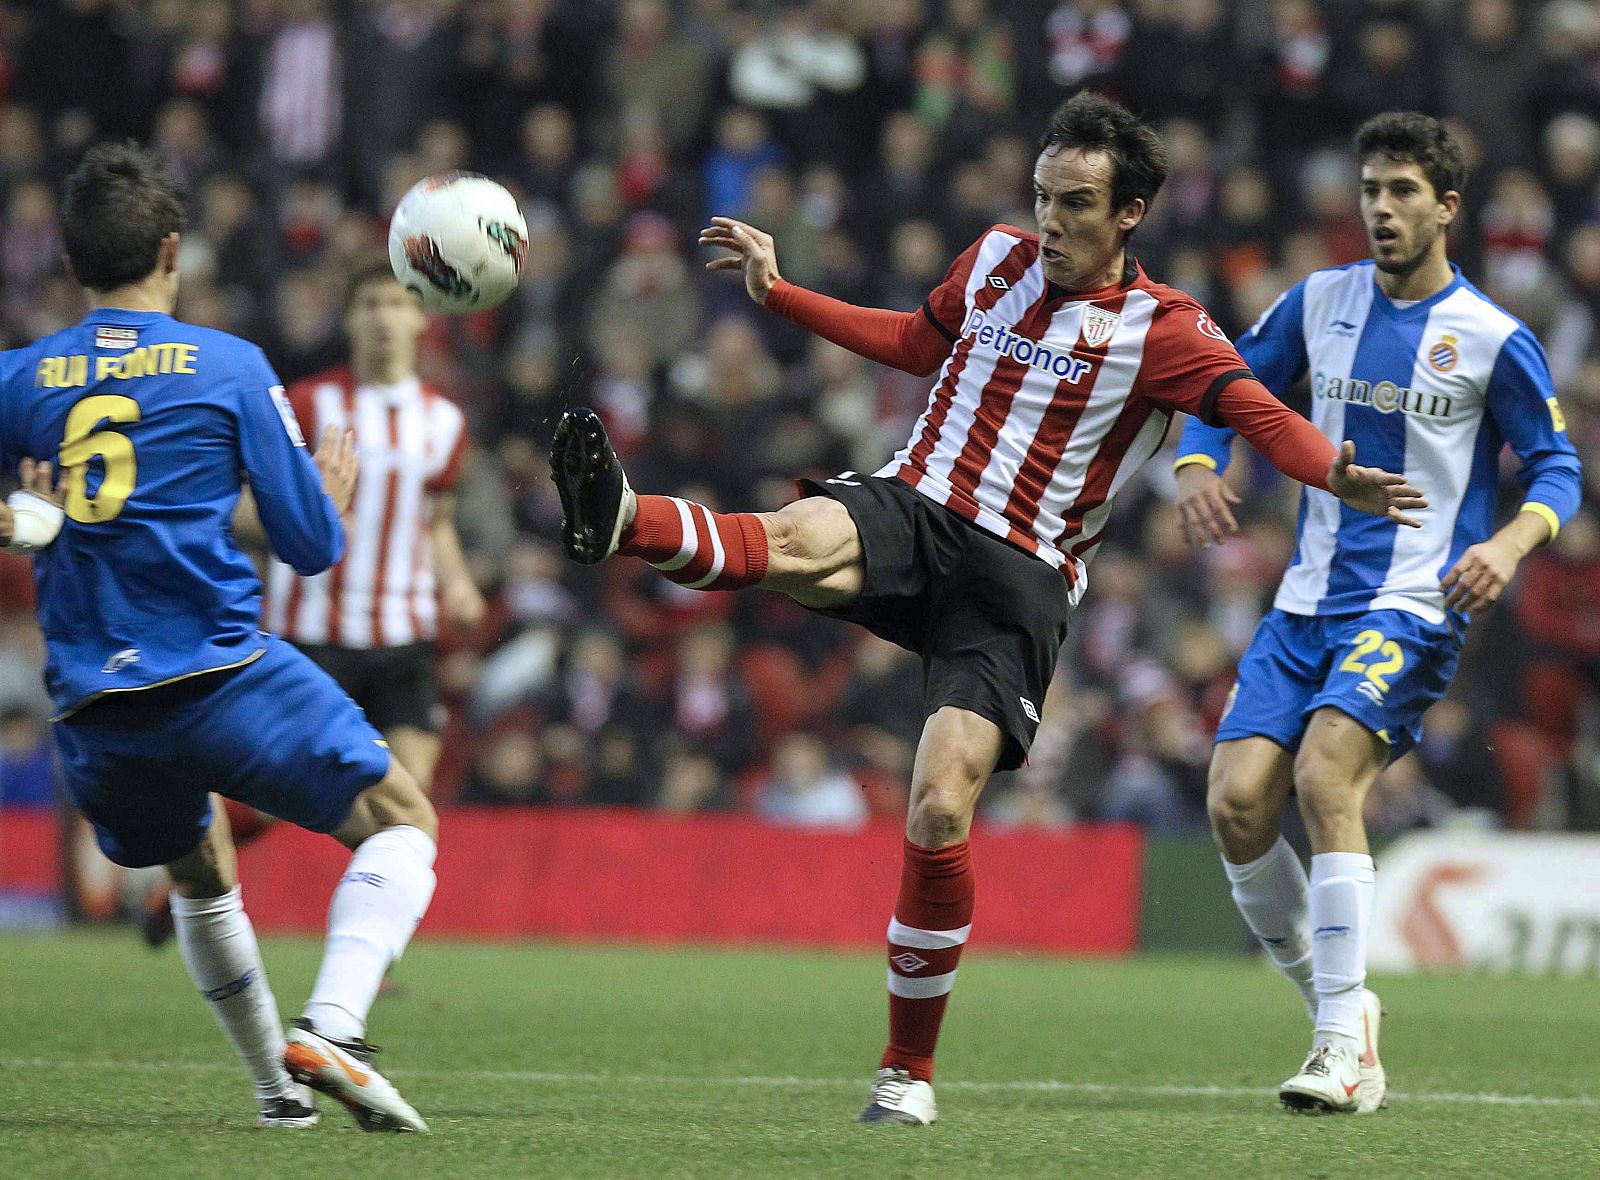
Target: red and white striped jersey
1049, 401
411, 442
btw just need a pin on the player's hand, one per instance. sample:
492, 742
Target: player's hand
336, 459
1374, 490
1205, 505
1475, 583
753, 253
39, 479
463, 605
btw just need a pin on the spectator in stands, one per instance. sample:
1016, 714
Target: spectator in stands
1487, 67
648, 67
803, 789
646, 294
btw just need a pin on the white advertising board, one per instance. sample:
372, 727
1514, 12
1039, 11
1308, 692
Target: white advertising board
1499, 901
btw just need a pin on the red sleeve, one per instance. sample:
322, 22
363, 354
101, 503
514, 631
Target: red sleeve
907, 340
914, 342
1293, 445
1189, 365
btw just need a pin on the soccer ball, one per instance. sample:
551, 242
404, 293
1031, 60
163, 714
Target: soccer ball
457, 242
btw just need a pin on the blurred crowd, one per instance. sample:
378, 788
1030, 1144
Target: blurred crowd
874, 140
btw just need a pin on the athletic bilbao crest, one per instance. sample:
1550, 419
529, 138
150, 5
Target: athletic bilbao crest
1098, 324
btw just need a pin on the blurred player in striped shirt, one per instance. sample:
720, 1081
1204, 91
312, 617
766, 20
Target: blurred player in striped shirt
1060, 366
371, 620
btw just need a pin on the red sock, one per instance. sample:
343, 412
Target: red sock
695, 547
931, 921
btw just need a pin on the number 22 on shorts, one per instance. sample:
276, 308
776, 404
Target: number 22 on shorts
1366, 643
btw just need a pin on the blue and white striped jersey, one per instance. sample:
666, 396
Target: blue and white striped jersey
1434, 390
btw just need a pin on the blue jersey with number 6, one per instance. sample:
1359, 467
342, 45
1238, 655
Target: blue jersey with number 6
154, 425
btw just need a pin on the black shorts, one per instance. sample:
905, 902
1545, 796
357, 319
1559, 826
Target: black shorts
393, 685
987, 618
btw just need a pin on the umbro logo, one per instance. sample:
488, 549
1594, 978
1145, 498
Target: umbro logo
998, 283
1027, 707
908, 962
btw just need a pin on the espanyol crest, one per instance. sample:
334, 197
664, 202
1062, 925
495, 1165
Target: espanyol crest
1098, 324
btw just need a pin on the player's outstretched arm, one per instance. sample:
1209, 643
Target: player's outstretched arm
31, 518
1374, 490
908, 341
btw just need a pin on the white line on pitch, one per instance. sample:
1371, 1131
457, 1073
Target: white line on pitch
1042, 1086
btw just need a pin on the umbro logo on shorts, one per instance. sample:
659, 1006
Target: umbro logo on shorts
1027, 707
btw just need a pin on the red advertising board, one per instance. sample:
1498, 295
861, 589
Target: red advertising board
615, 875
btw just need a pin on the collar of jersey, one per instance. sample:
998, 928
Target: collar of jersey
121, 315
1386, 305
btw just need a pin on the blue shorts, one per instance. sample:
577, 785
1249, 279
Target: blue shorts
1385, 669
277, 734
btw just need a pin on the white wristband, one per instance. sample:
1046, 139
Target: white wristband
35, 522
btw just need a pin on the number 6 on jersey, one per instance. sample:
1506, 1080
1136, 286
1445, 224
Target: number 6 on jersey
81, 442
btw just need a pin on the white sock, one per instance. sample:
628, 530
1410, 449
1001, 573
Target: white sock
1271, 894
380, 899
1341, 912
219, 949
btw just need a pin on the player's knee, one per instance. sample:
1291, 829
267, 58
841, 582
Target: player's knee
938, 819
202, 874
1238, 816
395, 802
806, 537
942, 805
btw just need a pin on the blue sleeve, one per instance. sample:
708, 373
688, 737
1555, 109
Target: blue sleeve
1275, 350
1522, 401
298, 516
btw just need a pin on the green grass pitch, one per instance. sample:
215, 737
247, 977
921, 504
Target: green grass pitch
569, 1062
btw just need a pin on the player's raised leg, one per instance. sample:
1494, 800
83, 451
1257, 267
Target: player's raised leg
380, 899
810, 550
933, 912
1339, 760
219, 949
1246, 792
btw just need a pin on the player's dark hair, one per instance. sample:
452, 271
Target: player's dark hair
376, 271
117, 207
1095, 123
1412, 137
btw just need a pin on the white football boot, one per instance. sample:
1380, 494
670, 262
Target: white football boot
343, 1070
1328, 1082
899, 1098
1374, 1092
